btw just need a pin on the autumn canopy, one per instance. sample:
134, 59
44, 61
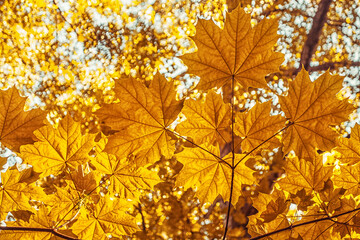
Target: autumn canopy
179, 120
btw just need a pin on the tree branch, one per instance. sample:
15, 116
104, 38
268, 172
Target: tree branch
314, 34
289, 72
63, 17
333, 65
304, 223
30, 229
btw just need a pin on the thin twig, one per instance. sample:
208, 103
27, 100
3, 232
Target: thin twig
191, 142
302, 224
64, 18
247, 154
31, 229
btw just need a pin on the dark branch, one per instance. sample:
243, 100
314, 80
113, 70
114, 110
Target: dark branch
63, 17
30, 229
290, 72
303, 224
314, 34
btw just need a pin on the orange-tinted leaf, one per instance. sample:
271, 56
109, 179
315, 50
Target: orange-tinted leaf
349, 178
206, 122
42, 220
312, 107
256, 126
141, 119
15, 193
108, 217
58, 148
302, 174
204, 169
125, 179
350, 147
237, 51
17, 125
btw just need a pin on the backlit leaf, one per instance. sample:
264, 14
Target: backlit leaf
108, 217
57, 149
17, 125
141, 119
302, 174
350, 147
206, 122
124, 178
256, 126
312, 107
238, 51
204, 169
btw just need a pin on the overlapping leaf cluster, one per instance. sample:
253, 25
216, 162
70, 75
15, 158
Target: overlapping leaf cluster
100, 175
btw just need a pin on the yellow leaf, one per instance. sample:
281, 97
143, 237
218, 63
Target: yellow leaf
142, 119
302, 174
16, 191
256, 126
57, 149
41, 220
350, 147
349, 178
204, 169
237, 51
16, 125
125, 179
107, 217
206, 122
312, 107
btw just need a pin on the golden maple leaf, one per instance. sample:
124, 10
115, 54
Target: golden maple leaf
204, 169
350, 147
238, 51
349, 179
16, 189
108, 216
302, 174
124, 178
312, 107
57, 149
41, 220
17, 125
142, 119
206, 122
257, 126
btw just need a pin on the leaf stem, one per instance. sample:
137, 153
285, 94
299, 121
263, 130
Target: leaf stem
189, 141
233, 155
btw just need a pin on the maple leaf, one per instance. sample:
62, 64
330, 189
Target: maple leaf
142, 119
124, 178
350, 148
57, 149
206, 122
311, 108
63, 203
204, 169
17, 125
351, 219
108, 216
16, 189
3, 161
316, 229
302, 174
237, 51
256, 127
349, 178
41, 220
